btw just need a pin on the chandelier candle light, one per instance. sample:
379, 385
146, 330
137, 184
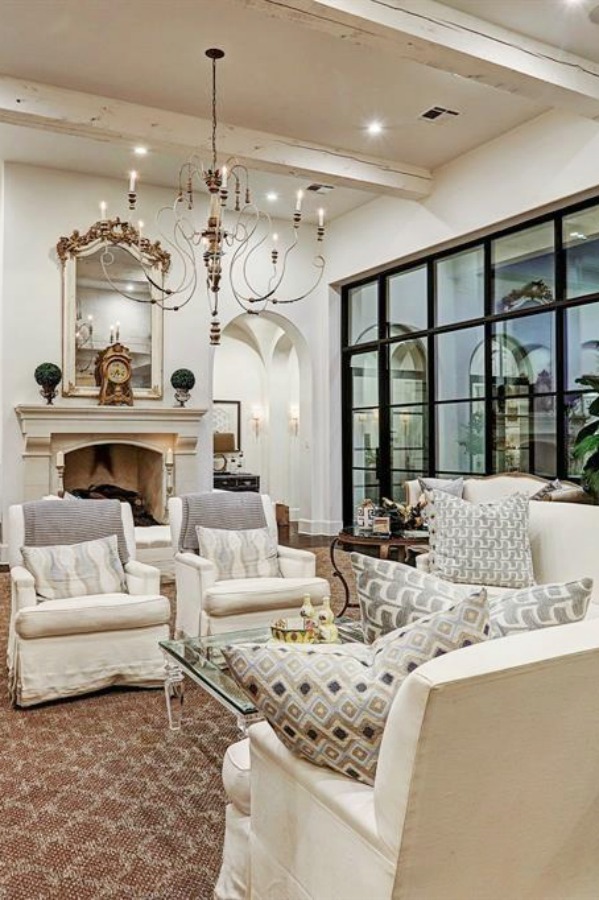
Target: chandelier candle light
240, 231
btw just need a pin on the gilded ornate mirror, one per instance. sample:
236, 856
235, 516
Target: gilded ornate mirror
99, 268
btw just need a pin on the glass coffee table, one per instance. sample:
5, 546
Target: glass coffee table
201, 659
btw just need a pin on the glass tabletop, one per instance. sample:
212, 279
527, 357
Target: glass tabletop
202, 659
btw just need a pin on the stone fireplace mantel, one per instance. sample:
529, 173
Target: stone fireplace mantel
48, 430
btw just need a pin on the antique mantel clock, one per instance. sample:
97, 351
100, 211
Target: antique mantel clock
113, 375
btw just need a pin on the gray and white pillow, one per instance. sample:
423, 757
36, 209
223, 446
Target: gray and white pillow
481, 543
242, 553
392, 594
332, 707
76, 570
540, 606
453, 486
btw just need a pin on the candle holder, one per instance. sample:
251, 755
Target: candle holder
169, 487
60, 473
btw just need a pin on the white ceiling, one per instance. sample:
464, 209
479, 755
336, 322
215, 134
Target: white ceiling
279, 76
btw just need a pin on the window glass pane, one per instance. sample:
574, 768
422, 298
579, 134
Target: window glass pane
524, 435
363, 313
581, 241
461, 437
409, 439
523, 355
460, 364
365, 487
398, 483
407, 308
524, 269
366, 439
576, 410
365, 379
582, 329
407, 365
460, 287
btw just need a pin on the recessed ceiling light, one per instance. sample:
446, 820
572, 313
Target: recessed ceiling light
141, 151
272, 196
374, 128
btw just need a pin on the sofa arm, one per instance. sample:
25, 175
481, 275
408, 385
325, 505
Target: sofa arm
194, 575
22, 588
423, 562
295, 563
141, 578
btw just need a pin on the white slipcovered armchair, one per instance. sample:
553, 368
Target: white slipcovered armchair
486, 788
208, 606
64, 647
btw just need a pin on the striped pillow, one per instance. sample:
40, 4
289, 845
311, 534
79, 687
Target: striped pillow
244, 553
76, 570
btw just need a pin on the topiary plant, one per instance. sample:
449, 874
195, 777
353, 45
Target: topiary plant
183, 379
47, 375
586, 445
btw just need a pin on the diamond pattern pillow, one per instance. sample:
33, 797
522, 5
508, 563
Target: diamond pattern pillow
76, 570
392, 595
240, 553
540, 606
481, 543
331, 708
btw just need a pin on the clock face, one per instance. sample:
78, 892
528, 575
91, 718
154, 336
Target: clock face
117, 371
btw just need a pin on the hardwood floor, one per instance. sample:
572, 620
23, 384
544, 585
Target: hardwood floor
289, 537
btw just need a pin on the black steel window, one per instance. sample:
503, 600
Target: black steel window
466, 362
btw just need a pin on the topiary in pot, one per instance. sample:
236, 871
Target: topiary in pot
48, 375
183, 381
586, 445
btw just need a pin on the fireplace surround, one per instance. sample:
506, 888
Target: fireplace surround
142, 443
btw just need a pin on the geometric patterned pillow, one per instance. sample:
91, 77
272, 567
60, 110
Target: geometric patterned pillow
481, 543
76, 570
331, 708
392, 594
239, 553
540, 606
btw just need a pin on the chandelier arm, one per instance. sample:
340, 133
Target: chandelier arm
319, 262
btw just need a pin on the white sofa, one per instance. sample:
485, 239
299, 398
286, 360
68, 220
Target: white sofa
494, 487
486, 789
208, 606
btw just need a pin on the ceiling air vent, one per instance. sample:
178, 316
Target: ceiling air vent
320, 188
438, 112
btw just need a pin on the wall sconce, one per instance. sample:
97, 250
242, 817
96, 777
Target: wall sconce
257, 416
294, 419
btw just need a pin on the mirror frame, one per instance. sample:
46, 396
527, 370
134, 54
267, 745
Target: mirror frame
153, 256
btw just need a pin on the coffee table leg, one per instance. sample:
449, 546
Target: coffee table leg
174, 691
337, 574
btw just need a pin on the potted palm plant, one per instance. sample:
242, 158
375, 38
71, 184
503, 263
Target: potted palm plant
586, 445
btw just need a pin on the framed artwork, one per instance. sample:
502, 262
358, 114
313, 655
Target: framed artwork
226, 418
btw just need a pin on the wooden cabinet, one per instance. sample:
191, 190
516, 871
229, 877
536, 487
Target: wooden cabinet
245, 482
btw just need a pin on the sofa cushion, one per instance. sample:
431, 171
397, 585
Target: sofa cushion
87, 615
76, 570
242, 595
330, 704
481, 543
242, 553
540, 606
392, 594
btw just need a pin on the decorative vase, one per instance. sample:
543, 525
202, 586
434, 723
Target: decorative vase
182, 396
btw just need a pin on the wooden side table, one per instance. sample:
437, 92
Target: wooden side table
351, 538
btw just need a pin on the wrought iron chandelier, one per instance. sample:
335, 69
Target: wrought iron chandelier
238, 230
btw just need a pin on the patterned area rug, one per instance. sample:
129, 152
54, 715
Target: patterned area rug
99, 800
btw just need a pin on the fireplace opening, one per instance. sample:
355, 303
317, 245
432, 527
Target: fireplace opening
125, 472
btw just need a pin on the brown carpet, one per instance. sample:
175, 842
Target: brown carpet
99, 800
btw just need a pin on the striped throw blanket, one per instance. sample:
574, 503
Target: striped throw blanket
58, 522
220, 509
